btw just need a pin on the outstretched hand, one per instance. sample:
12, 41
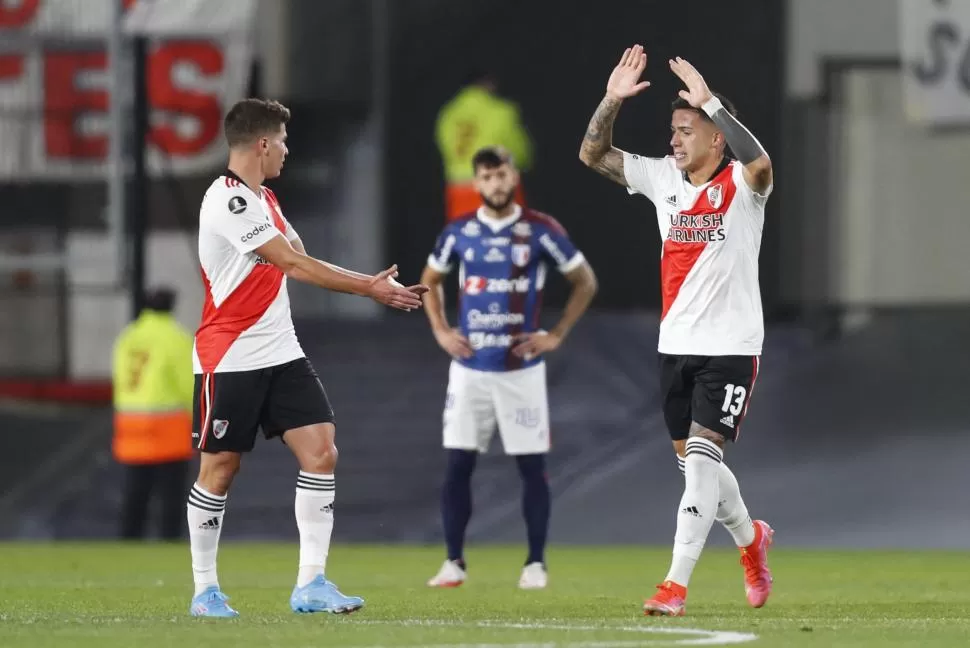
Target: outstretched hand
386, 290
625, 80
697, 92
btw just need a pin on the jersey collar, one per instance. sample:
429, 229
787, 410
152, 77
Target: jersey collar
498, 224
229, 173
725, 161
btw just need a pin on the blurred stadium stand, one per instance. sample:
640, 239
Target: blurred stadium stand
866, 284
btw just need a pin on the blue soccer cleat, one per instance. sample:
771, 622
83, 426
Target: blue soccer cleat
212, 603
320, 595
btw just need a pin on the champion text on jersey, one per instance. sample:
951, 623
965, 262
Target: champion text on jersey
479, 320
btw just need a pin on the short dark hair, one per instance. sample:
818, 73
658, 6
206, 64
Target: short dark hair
252, 118
491, 157
681, 104
161, 299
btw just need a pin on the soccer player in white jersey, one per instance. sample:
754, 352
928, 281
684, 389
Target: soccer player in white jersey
710, 211
250, 371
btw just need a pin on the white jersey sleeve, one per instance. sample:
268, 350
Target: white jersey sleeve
235, 216
290, 233
274, 205
642, 174
753, 201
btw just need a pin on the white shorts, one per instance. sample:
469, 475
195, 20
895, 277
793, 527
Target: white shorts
514, 401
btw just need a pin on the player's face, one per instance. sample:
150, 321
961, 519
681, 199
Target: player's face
497, 185
693, 139
272, 150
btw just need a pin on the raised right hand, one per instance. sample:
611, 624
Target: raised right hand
384, 292
625, 80
454, 343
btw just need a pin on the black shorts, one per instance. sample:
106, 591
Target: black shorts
229, 407
712, 391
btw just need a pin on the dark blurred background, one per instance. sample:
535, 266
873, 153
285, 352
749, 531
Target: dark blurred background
109, 123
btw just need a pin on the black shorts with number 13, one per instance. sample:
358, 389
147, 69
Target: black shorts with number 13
711, 390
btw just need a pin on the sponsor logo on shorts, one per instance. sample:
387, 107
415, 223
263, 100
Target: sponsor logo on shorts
527, 417
219, 428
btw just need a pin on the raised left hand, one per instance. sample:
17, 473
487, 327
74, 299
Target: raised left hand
697, 92
534, 344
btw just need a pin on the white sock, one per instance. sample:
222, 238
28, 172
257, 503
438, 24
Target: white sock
314, 518
204, 512
698, 506
731, 511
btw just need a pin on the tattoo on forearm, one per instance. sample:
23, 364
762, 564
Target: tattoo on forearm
611, 166
739, 138
599, 133
597, 148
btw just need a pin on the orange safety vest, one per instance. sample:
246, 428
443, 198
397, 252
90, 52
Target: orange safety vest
152, 437
153, 385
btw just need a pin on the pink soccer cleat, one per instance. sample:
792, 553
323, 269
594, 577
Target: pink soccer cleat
754, 559
670, 600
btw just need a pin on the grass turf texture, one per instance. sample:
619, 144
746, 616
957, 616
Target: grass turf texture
137, 595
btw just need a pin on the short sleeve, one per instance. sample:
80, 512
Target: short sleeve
747, 192
274, 204
290, 233
642, 173
559, 248
240, 220
442, 258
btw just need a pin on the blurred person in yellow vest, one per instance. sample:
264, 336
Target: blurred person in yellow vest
153, 383
473, 119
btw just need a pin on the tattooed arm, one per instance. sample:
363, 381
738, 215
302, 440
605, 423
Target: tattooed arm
597, 150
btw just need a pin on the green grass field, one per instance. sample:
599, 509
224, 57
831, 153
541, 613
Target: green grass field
115, 595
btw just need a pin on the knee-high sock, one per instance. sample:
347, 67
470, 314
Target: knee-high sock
698, 507
536, 504
456, 500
